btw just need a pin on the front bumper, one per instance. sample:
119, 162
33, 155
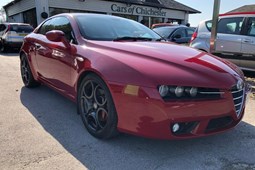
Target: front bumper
144, 113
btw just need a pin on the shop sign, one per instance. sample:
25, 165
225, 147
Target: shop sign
138, 10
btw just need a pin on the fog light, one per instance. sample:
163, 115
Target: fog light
175, 127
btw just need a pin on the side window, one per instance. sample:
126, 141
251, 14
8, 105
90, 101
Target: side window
230, 25
47, 26
190, 32
251, 27
63, 24
180, 32
208, 25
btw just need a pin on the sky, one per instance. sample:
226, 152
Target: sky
205, 6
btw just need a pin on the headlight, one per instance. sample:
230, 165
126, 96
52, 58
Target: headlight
179, 91
183, 92
193, 92
163, 90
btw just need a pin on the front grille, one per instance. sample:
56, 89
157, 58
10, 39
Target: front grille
238, 98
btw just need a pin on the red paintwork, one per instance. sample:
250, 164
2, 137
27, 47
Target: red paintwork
237, 13
144, 66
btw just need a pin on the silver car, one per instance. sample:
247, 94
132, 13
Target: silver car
12, 35
235, 38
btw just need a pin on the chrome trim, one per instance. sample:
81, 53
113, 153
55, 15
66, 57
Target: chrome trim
237, 91
238, 104
238, 99
212, 92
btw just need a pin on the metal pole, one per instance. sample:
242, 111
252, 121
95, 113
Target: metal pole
213, 40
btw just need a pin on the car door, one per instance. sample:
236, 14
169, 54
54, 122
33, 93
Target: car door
248, 45
229, 36
53, 58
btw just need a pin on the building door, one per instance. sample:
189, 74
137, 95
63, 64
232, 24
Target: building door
29, 17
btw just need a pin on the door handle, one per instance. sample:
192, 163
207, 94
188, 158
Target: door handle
247, 41
37, 46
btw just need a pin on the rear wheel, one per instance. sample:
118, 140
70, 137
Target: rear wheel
26, 74
96, 107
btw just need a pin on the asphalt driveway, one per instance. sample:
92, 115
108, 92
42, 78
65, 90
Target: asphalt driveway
39, 129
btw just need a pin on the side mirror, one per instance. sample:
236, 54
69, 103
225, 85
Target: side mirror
55, 35
58, 36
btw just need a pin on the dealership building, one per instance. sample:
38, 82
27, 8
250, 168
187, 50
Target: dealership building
148, 11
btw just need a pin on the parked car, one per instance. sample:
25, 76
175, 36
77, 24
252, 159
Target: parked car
12, 35
162, 25
179, 33
235, 38
124, 79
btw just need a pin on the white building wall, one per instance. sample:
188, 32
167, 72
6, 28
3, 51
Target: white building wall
21, 6
41, 6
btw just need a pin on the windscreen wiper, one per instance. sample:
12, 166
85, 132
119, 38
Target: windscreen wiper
161, 39
132, 38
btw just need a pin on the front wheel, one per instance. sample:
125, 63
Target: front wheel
96, 107
26, 74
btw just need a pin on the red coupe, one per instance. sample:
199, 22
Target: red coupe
124, 78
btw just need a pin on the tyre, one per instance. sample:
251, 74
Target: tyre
96, 107
3, 48
26, 74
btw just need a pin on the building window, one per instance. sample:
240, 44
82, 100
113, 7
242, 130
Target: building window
29, 17
55, 11
156, 20
133, 17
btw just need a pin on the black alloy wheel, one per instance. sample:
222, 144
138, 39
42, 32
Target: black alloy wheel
26, 74
96, 107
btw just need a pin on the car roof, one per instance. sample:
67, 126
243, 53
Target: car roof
173, 26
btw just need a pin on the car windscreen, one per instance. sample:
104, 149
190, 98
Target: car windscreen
164, 31
108, 28
21, 28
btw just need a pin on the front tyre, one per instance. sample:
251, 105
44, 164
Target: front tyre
96, 107
26, 74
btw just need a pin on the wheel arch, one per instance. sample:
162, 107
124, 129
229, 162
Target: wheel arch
35, 75
84, 74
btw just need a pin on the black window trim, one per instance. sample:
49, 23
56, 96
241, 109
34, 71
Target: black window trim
72, 32
243, 28
248, 20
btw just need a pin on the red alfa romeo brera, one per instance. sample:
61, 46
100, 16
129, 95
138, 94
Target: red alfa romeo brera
125, 78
